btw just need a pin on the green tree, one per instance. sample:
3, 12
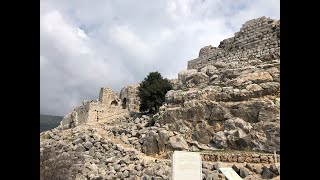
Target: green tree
152, 92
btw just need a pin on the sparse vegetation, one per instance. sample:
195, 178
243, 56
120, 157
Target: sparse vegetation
152, 92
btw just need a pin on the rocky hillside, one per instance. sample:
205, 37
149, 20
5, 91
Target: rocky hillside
226, 106
118, 150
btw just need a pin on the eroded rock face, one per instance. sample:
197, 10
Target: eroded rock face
178, 143
150, 144
228, 98
232, 94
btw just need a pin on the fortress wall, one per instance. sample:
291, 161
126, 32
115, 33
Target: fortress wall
257, 38
129, 98
106, 96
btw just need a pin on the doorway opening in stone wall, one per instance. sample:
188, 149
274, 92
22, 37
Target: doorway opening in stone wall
124, 103
114, 103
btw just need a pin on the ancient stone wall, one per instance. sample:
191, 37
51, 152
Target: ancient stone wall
129, 98
258, 38
107, 97
80, 114
240, 157
108, 105
230, 96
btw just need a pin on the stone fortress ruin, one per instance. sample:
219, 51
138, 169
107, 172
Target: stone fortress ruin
228, 98
257, 38
109, 105
236, 82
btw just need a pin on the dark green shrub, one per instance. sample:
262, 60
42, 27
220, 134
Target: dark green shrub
152, 92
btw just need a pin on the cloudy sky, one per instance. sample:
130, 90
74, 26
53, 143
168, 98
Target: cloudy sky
88, 44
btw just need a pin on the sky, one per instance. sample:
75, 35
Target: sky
86, 44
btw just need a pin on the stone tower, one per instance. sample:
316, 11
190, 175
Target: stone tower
107, 97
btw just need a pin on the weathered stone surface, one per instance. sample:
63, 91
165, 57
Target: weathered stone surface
258, 169
249, 166
236, 168
244, 172
200, 77
220, 139
178, 143
275, 169
256, 77
267, 174
209, 70
77, 141
201, 136
186, 75
163, 139
206, 50
88, 145
229, 98
219, 113
150, 144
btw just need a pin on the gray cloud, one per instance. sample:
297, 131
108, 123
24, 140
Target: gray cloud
86, 45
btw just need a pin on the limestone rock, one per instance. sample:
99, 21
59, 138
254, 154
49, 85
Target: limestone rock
228, 98
206, 50
200, 77
244, 172
256, 77
77, 141
209, 70
150, 144
178, 143
201, 136
186, 75
88, 145
267, 174
219, 113
220, 139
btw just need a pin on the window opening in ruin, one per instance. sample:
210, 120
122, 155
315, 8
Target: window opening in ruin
124, 103
114, 103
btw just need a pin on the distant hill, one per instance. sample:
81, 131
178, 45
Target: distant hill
48, 122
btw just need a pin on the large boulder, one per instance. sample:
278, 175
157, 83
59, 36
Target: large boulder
206, 50
237, 123
269, 113
209, 70
178, 143
150, 144
192, 77
219, 113
220, 140
255, 77
201, 136
248, 111
267, 174
186, 75
266, 136
163, 139
66, 121
199, 78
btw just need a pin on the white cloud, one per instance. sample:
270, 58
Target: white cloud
86, 45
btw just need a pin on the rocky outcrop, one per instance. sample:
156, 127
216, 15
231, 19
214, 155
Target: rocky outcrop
228, 99
230, 102
107, 151
223, 92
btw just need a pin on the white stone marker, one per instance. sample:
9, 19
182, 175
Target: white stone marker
230, 174
186, 166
